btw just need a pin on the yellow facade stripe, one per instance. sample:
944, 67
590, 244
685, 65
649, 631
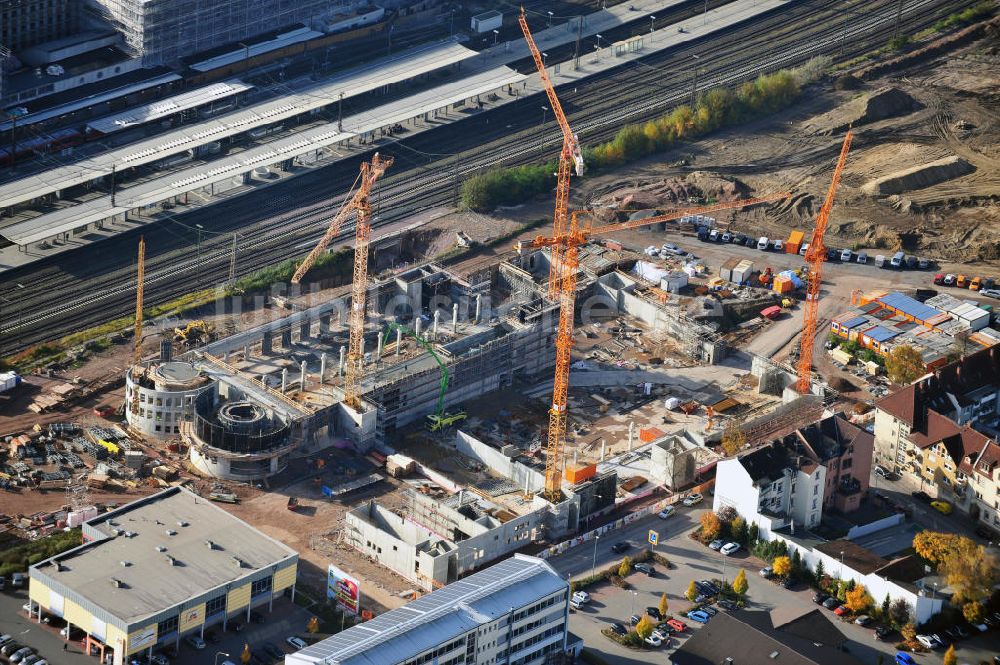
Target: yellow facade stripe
284, 578
39, 593
191, 617
237, 598
76, 615
142, 638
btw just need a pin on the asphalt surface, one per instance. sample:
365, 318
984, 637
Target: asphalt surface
83, 287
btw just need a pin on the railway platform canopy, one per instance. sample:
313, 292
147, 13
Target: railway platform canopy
239, 167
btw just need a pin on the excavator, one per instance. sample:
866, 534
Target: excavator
184, 335
438, 420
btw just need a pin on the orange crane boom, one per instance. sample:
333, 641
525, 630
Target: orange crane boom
137, 334
815, 256
570, 242
570, 158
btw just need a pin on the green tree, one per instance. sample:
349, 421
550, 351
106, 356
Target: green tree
738, 530
663, 605
740, 584
949, 656
692, 592
625, 567
645, 626
820, 570
782, 566
904, 365
886, 604
899, 613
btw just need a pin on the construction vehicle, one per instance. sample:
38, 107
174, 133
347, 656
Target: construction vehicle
184, 335
223, 497
570, 243
293, 504
137, 345
360, 205
815, 257
439, 419
570, 157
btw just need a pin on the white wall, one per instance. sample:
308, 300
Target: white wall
494, 459
734, 487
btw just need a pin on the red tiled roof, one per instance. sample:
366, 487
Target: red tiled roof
939, 428
901, 404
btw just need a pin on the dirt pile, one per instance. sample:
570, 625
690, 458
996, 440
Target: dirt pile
653, 194
918, 177
879, 105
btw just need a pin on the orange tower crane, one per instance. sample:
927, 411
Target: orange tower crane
570, 158
569, 243
358, 203
137, 345
815, 256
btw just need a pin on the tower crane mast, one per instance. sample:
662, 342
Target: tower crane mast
815, 256
137, 333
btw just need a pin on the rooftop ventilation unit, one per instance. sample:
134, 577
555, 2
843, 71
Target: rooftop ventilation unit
161, 548
118, 583
115, 532
238, 561
125, 564
209, 544
171, 560
181, 523
171, 532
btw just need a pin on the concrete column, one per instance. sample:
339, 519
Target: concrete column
246, 352
340, 368
324, 323
266, 342
381, 344
399, 340
284, 378
479, 306
286, 338
304, 327
416, 325
225, 356
454, 318
322, 367
437, 320
302, 381
602, 450
631, 434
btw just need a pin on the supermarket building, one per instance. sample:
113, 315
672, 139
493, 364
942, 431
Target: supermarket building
159, 569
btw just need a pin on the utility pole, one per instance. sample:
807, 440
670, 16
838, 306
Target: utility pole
579, 35
694, 82
455, 186
899, 15
232, 260
340, 112
705, 15
113, 166
13, 141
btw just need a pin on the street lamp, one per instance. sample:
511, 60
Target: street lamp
651, 19
599, 37
496, 36
841, 564
593, 565
632, 605
550, 19
545, 110
220, 653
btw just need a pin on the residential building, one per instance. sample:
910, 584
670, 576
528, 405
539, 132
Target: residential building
158, 569
24, 23
161, 32
513, 613
762, 637
846, 451
775, 486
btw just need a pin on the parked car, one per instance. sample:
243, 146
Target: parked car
920, 495
30, 659
620, 547
654, 640
693, 499
927, 641
159, 659
767, 572
949, 279
664, 628
819, 597
11, 647
942, 507
716, 544
678, 625
698, 615
730, 548
619, 629
727, 237
273, 650
728, 605
831, 603
709, 610
195, 642
662, 634
672, 248
923, 263
211, 636
634, 619
841, 611
882, 471
845, 255
939, 279
645, 568
654, 612
296, 642
581, 597
992, 293
903, 658
21, 654
779, 246
941, 639
711, 586
882, 633
863, 620
666, 512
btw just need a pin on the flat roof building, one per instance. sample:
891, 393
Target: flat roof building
514, 612
158, 569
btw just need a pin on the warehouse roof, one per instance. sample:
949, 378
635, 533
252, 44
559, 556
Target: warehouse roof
880, 334
158, 552
909, 306
439, 617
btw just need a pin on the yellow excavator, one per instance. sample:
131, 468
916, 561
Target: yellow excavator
192, 332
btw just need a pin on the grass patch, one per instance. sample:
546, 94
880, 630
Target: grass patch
965, 17
17, 559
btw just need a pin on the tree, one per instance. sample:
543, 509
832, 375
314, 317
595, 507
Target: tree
909, 632
740, 584
313, 625
738, 530
899, 612
886, 604
782, 566
645, 626
727, 514
949, 656
934, 546
796, 563
625, 567
820, 570
663, 605
969, 568
753, 534
858, 599
710, 526
974, 612
904, 365
734, 439
692, 592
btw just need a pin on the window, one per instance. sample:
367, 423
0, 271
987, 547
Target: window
815, 490
847, 463
260, 586
215, 605
166, 626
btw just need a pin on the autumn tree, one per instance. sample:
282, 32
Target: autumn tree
858, 599
974, 612
625, 567
645, 626
740, 584
710, 526
663, 605
904, 365
738, 529
313, 625
734, 439
969, 568
899, 612
909, 632
692, 592
949, 656
782, 566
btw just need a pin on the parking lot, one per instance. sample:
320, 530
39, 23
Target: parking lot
693, 561
285, 620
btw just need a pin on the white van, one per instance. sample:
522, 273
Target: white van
581, 597
763, 243
803, 249
862, 257
845, 256
778, 246
897, 260
879, 260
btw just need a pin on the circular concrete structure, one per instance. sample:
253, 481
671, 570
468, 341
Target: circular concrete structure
167, 392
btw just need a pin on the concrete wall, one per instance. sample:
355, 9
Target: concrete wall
859, 530
494, 459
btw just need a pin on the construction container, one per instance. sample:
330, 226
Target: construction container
648, 434
9, 381
134, 459
726, 271
742, 272
783, 284
794, 242
771, 312
578, 473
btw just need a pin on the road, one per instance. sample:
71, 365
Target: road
81, 288
692, 560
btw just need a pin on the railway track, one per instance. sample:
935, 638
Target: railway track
91, 285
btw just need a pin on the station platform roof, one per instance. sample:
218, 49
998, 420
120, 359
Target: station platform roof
294, 36
168, 107
357, 81
186, 180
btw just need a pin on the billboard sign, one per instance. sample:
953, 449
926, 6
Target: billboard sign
344, 589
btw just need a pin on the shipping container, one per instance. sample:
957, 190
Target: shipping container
783, 284
726, 272
794, 242
742, 272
